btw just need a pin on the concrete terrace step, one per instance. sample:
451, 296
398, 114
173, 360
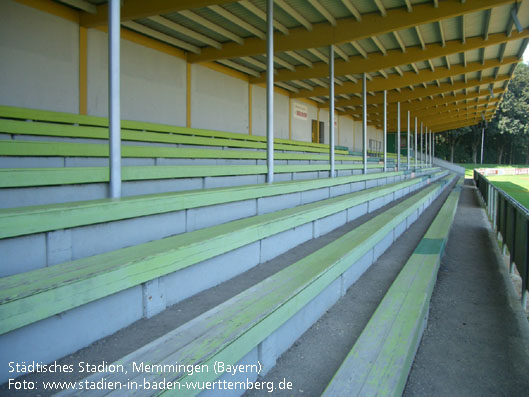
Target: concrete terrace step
15, 113
39, 131
51, 234
77, 149
44, 292
30, 296
264, 320
381, 358
24, 187
50, 176
313, 360
147, 169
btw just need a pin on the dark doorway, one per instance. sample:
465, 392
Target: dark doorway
317, 131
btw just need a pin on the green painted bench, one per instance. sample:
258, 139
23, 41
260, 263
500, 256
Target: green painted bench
381, 359
27, 220
17, 127
49, 176
67, 149
228, 332
38, 294
9, 112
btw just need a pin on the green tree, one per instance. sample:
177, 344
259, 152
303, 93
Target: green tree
506, 136
512, 116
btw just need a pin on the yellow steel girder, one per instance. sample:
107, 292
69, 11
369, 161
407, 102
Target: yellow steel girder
407, 78
441, 111
349, 29
134, 9
421, 92
392, 58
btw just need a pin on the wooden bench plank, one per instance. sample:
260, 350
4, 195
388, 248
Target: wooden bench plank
35, 219
232, 329
49, 176
90, 132
381, 358
70, 118
38, 294
67, 149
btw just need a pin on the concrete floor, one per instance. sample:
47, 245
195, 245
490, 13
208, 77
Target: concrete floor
477, 339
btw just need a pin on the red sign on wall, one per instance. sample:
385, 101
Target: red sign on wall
300, 111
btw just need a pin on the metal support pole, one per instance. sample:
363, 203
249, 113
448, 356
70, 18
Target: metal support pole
415, 146
427, 144
421, 151
482, 142
270, 90
433, 147
398, 136
385, 143
331, 108
429, 147
114, 117
424, 154
364, 120
408, 144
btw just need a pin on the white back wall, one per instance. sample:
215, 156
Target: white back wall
39, 61
358, 136
302, 129
218, 101
259, 113
346, 125
153, 84
372, 133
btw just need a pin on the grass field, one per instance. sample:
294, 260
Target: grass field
516, 186
469, 168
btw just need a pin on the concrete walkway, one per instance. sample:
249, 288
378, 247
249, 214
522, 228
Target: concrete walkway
477, 340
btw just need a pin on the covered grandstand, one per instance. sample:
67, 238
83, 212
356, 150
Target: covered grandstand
188, 187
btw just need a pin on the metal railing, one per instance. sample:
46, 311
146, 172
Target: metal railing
509, 219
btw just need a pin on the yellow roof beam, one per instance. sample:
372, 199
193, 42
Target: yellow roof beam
377, 61
465, 114
349, 29
134, 9
447, 109
410, 78
471, 114
436, 103
458, 124
421, 92
428, 103
433, 112
441, 117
